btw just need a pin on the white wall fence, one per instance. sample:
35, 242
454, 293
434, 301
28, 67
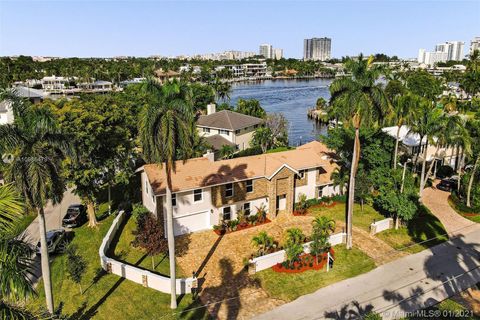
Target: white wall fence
138, 275
269, 260
381, 225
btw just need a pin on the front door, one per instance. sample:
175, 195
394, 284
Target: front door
281, 202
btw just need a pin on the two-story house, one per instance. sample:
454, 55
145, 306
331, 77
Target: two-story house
206, 192
227, 128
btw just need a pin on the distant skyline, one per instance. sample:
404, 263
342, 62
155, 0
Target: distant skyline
144, 28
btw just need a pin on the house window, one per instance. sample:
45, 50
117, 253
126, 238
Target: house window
301, 173
229, 190
319, 192
246, 208
237, 131
249, 185
206, 130
227, 213
225, 132
197, 195
146, 186
174, 199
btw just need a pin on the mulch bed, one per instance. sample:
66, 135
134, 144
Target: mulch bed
241, 227
307, 262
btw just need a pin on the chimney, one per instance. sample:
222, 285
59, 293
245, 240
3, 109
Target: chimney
211, 108
210, 156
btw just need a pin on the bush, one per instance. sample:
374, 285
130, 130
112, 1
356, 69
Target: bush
459, 204
444, 172
150, 236
139, 212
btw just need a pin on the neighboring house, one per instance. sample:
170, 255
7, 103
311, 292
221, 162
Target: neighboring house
97, 86
206, 192
6, 112
54, 84
227, 127
410, 145
166, 75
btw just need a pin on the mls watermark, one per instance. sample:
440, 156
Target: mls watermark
434, 314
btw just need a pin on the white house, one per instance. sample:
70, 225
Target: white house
411, 144
227, 127
206, 192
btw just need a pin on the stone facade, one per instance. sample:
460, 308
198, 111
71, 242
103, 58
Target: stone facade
281, 184
300, 182
239, 192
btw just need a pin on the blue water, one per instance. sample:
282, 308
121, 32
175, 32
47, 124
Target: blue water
292, 98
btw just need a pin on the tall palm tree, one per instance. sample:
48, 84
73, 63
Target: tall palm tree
403, 108
165, 124
358, 100
15, 262
37, 147
427, 122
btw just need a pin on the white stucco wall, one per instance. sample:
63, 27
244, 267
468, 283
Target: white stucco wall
147, 194
244, 138
309, 188
229, 137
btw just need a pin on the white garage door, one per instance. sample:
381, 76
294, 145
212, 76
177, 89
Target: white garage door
191, 223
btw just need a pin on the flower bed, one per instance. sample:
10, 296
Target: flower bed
461, 208
241, 226
306, 262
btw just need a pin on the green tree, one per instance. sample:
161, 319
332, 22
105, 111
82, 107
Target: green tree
322, 228
262, 137
150, 236
227, 151
321, 103
165, 128
38, 147
103, 128
293, 244
76, 266
250, 107
358, 100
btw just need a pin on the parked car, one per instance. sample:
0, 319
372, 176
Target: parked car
76, 215
447, 184
56, 241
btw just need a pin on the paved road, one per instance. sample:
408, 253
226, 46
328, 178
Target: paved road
53, 219
405, 285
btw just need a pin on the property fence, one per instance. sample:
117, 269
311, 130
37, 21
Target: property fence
269, 260
138, 275
381, 225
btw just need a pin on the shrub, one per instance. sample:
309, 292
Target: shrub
263, 242
150, 236
139, 212
444, 172
76, 266
261, 213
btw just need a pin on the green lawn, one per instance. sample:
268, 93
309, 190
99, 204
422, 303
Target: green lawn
421, 233
285, 286
107, 296
125, 252
361, 219
467, 215
448, 307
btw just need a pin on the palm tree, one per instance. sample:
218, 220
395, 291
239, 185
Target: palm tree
426, 122
15, 262
295, 235
262, 137
324, 225
403, 108
165, 124
264, 242
358, 100
222, 90
226, 151
37, 147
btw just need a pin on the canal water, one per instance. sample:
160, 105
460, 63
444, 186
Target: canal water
292, 98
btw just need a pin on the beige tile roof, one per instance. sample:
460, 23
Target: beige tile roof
201, 172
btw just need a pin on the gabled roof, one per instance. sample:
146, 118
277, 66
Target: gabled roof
228, 120
201, 172
217, 141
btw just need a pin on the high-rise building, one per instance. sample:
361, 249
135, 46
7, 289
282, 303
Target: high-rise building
277, 53
266, 50
317, 49
474, 44
421, 56
453, 49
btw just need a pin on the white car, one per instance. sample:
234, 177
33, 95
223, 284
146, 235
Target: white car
56, 242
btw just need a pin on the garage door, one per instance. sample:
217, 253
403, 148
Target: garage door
191, 223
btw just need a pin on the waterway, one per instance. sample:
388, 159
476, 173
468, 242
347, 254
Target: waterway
292, 98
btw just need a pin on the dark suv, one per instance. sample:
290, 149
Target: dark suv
76, 215
447, 184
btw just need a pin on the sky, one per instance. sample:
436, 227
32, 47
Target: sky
143, 28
